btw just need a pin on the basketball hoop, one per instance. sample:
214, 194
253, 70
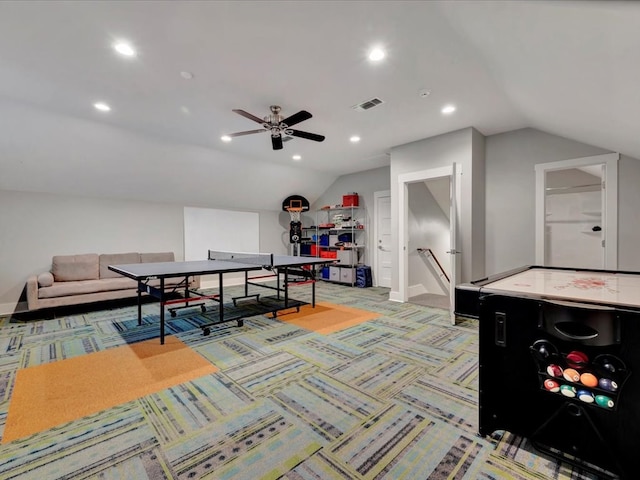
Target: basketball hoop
295, 213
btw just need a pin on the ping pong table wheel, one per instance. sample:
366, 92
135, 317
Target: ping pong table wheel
203, 308
241, 322
173, 313
206, 331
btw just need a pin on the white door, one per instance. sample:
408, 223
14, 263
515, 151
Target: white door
382, 232
453, 239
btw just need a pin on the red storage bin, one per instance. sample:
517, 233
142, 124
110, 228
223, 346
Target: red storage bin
328, 254
350, 200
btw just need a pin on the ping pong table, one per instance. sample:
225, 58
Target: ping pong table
285, 269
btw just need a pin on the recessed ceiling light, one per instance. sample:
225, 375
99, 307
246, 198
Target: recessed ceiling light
354, 139
123, 48
225, 138
447, 109
376, 54
297, 157
187, 75
103, 107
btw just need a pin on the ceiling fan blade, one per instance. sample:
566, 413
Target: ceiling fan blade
276, 141
247, 132
309, 136
249, 116
301, 116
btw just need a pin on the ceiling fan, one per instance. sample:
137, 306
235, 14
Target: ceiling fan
279, 126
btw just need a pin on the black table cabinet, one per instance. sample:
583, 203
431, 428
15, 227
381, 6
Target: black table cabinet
561, 373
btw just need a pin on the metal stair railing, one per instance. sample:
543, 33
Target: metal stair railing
429, 253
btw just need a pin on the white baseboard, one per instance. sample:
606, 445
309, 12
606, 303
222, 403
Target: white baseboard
418, 289
395, 297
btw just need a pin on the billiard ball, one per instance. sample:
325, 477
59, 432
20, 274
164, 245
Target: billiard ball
554, 370
551, 385
568, 391
608, 384
571, 375
604, 401
589, 379
577, 359
586, 396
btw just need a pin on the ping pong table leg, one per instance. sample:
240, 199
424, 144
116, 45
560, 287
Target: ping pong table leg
286, 287
221, 299
313, 293
162, 311
139, 303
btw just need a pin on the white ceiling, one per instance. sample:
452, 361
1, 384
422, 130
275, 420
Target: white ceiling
567, 68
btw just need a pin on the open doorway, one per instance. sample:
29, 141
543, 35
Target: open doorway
576, 213
416, 236
429, 235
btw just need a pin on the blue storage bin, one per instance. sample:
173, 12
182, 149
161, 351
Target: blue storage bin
345, 237
324, 273
324, 240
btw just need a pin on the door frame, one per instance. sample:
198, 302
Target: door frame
374, 240
609, 214
452, 171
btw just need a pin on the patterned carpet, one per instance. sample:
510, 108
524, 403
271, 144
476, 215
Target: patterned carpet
392, 398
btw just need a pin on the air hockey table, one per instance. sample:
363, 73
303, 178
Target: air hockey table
559, 362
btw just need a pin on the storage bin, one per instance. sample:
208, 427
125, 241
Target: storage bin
324, 273
350, 200
324, 240
315, 250
305, 249
328, 254
346, 275
345, 237
334, 274
347, 257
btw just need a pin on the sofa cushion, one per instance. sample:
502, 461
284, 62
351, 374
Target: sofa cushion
157, 257
66, 268
107, 259
80, 287
45, 279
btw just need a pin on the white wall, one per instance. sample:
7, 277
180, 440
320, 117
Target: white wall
36, 226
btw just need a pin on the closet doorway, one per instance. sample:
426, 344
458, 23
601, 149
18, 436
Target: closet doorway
576, 213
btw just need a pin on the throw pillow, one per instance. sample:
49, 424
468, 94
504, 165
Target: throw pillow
45, 279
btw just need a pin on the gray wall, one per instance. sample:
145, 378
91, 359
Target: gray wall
466, 149
36, 226
365, 183
510, 191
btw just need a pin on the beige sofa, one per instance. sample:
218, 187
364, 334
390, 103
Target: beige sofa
86, 278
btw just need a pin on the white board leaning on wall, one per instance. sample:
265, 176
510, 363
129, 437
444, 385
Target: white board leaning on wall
226, 230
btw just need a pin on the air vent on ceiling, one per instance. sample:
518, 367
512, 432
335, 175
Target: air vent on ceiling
374, 102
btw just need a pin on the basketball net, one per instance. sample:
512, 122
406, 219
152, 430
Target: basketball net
295, 213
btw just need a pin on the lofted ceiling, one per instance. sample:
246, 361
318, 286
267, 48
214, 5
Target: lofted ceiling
567, 68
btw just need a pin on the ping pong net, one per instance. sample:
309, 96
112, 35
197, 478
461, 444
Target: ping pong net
263, 259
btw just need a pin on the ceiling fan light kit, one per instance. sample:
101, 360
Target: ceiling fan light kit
279, 126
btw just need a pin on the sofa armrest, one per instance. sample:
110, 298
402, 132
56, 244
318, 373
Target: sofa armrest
32, 292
